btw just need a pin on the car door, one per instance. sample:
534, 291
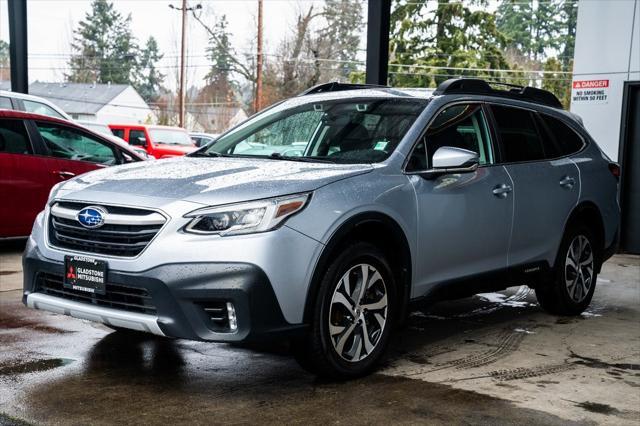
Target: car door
546, 188
464, 219
75, 150
25, 179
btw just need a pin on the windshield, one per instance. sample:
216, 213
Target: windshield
341, 131
170, 137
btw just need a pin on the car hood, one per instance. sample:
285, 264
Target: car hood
175, 149
208, 181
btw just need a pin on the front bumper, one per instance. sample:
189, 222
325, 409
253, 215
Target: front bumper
179, 293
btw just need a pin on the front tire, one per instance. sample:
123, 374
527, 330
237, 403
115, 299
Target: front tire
353, 315
575, 275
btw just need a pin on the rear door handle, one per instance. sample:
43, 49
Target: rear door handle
502, 190
64, 175
567, 182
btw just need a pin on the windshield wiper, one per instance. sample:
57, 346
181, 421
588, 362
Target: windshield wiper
207, 154
278, 156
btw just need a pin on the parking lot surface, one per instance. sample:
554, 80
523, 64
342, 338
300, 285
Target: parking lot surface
491, 359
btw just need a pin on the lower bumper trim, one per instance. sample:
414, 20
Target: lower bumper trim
108, 316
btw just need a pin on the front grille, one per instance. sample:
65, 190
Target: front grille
126, 231
118, 296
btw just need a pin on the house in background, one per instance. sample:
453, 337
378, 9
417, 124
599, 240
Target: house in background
102, 103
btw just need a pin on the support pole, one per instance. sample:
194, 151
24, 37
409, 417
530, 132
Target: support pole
378, 28
183, 46
18, 46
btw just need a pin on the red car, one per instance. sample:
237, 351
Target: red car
36, 152
158, 141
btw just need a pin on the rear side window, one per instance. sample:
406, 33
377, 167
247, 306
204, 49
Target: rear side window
519, 138
5, 103
118, 132
566, 140
40, 108
13, 137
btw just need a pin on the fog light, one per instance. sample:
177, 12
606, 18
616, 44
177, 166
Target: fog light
231, 314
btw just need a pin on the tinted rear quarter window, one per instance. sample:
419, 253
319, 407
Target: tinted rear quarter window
518, 135
567, 141
5, 103
13, 137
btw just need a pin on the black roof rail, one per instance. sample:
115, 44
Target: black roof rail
477, 86
336, 86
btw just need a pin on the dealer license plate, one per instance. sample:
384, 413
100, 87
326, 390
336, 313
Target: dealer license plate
85, 274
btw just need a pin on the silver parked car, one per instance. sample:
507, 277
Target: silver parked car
387, 200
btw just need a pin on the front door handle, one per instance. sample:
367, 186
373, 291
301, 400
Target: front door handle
64, 175
567, 182
502, 190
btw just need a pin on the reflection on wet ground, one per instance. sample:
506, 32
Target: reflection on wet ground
492, 359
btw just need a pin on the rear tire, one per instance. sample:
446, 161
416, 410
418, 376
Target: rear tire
574, 277
353, 315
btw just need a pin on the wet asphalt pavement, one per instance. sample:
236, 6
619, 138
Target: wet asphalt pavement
490, 359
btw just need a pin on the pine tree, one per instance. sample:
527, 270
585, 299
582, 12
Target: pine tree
149, 79
340, 37
5, 72
430, 43
104, 47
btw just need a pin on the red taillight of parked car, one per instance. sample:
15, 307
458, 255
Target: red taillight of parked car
615, 170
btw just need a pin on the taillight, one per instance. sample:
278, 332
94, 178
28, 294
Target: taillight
615, 170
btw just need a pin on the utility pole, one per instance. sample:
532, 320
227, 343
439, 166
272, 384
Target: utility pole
257, 104
183, 47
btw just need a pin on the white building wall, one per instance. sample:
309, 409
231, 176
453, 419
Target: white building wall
607, 49
126, 108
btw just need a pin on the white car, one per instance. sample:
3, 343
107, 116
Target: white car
30, 103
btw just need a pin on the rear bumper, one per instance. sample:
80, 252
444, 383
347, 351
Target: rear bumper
178, 294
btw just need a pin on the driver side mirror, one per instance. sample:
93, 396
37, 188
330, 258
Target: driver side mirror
448, 159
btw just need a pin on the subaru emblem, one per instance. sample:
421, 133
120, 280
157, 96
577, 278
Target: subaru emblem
91, 217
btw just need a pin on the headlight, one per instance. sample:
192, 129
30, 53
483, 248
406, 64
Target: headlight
245, 218
54, 190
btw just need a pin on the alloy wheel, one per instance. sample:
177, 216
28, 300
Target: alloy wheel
578, 271
358, 312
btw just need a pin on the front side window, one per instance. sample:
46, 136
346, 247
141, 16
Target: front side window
564, 139
13, 137
519, 139
137, 137
40, 108
337, 130
460, 126
71, 144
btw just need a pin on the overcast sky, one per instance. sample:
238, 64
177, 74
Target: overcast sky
51, 24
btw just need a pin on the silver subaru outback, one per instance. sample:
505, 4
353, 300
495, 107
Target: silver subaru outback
325, 218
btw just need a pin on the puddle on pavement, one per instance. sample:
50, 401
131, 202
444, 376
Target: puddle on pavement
9, 368
595, 407
596, 363
11, 322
